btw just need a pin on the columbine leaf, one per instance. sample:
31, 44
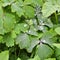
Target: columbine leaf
4, 55
9, 22
18, 59
57, 30
29, 12
24, 27
57, 50
49, 37
16, 8
9, 40
48, 23
1, 27
48, 9
33, 42
1, 21
23, 40
17, 29
35, 58
49, 34
57, 45
50, 59
1, 12
13, 34
44, 21
35, 2
7, 2
1, 39
32, 31
38, 2
42, 50
51, 7
28, 2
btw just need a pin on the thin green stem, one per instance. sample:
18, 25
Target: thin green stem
56, 18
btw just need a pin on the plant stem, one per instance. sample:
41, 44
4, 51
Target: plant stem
56, 18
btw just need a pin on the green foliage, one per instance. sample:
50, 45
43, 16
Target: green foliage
4, 54
50, 59
57, 30
51, 7
28, 11
42, 50
35, 58
29, 29
18, 59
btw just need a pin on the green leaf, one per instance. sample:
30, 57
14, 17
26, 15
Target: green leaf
35, 58
21, 27
1, 27
26, 42
1, 12
56, 45
38, 2
29, 12
32, 31
24, 27
48, 9
57, 52
7, 2
35, 2
50, 59
18, 59
1, 21
57, 30
40, 35
48, 23
33, 42
1, 39
8, 40
42, 28
49, 34
44, 51
49, 37
17, 28
4, 55
44, 21
23, 40
16, 8
13, 34
26, 2
9, 22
